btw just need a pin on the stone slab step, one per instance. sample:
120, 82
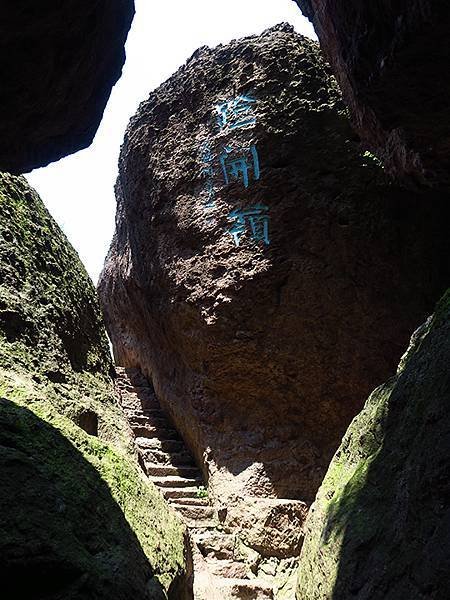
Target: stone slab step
145, 421
192, 501
133, 406
165, 470
177, 492
175, 481
201, 524
139, 390
159, 457
128, 389
143, 416
159, 444
135, 376
194, 513
228, 568
245, 589
215, 544
154, 412
134, 403
154, 432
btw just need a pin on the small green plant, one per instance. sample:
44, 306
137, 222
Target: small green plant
202, 492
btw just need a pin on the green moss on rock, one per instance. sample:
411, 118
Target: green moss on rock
379, 528
76, 515
47, 301
79, 519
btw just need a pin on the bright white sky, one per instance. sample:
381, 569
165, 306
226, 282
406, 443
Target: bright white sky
79, 189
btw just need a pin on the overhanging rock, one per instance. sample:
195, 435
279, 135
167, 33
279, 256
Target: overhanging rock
58, 63
389, 58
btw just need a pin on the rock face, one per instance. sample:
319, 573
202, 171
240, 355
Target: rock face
58, 63
264, 273
389, 58
50, 321
379, 527
78, 518
271, 527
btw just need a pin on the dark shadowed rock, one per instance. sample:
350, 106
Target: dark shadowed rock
389, 58
262, 352
63, 533
380, 526
58, 63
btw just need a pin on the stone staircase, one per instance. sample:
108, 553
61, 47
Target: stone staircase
228, 572
162, 453
169, 465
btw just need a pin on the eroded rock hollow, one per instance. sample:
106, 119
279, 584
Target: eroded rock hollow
58, 63
389, 58
264, 273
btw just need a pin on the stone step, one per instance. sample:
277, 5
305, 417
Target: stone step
147, 431
145, 392
192, 501
245, 589
124, 383
158, 413
155, 443
132, 403
215, 544
129, 401
175, 481
228, 568
143, 416
153, 455
139, 390
135, 377
133, 406
146, 421
194, 513
177, 492
155, 470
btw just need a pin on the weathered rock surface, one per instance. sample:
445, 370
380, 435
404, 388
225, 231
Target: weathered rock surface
262, 353
389, 58
380, 526
58, 63
270, 526
78, 519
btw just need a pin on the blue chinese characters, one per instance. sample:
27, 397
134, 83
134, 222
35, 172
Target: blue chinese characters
236, 113
239, 165
256, 217
238, 162
208, 171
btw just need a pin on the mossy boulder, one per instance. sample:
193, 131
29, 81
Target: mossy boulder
47, 301
380, 526
79, 519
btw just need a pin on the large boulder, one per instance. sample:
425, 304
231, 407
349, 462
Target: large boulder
380, 526
58, 63
264, 273
79, 520
389, 58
